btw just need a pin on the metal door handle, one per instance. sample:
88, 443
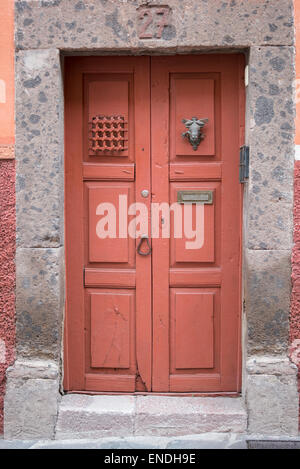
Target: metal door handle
144, 237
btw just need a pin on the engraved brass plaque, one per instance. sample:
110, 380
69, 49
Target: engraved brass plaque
194, 197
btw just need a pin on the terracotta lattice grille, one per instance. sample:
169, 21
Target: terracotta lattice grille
108, 134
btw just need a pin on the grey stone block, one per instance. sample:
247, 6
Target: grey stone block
271, 139
31, 401
267, 297
272, 396
39, 302
83, 416
73, 24
172, 416
39, 149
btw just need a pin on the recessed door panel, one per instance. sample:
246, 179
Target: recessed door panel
193, 314
192, 95
112, 321
108, 222
108, 101
196, 226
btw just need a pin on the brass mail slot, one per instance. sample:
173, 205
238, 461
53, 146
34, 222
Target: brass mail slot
194, 197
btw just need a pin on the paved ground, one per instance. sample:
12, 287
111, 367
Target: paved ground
204, 441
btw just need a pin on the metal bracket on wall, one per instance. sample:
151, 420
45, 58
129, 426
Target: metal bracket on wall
244, 164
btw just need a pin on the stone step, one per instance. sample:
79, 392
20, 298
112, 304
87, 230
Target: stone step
83, 416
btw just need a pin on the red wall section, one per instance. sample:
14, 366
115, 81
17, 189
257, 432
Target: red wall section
7, 195
7, 272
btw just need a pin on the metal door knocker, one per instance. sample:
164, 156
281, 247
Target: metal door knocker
140, 252
194, 133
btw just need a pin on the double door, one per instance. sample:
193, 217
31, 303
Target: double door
153, 223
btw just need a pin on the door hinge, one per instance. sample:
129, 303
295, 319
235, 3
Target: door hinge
244, 163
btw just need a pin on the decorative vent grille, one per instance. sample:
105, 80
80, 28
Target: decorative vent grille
108, 134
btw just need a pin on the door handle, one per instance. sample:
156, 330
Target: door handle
144, 238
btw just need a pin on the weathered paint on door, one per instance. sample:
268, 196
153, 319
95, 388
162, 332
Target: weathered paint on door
169, 321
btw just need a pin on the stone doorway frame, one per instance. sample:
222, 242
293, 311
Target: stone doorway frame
45, 32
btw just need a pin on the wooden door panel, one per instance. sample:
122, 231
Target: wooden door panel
110, 345
195, 361
108, 317
192, 312
108, 240
192, 95
111, 320
195, 171
110, 95
184, 249
114, 278
108, 172
201, 287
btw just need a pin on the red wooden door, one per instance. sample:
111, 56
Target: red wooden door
196, 292
168, 321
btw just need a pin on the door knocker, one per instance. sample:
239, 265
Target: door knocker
194, 133
141, 253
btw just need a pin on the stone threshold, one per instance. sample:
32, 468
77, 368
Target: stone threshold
83, 416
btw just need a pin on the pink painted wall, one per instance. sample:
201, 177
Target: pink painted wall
7, 195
